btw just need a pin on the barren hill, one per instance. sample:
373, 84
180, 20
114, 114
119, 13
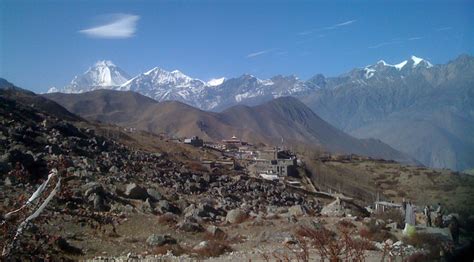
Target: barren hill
284, 119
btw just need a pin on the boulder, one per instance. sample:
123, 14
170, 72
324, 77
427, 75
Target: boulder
135, 191
334, 209
155, 240
92, 188
189, 226
154, 194
97, 202
236, 216
164, 206
296, 210
215, 231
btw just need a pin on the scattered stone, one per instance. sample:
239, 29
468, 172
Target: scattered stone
296, 210
135, 191
189, 226
215, 231
165, 206
236, 216
334, 209
66, 247
160, 240
154, 194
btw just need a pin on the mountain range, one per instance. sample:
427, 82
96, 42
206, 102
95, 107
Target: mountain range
421, 109
284, 118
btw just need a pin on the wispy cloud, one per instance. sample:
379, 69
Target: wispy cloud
396, 41
331, 27
116, 27
444, 28
385, 44
259, 53
415, 38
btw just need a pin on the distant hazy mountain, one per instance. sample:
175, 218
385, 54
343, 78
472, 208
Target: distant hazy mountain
424, 110
284, 118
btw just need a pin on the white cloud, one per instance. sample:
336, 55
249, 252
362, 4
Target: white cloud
415, 38
385, 44
332, 27
118, 26
260, 53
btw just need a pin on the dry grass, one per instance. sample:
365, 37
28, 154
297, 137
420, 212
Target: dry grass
167, 219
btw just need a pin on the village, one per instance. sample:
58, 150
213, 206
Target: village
282, 165
270, 162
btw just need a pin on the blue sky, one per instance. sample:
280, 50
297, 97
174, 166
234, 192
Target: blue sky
46, 43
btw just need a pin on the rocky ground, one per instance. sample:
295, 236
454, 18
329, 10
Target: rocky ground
123, 201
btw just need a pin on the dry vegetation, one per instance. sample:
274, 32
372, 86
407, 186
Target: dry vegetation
365, 178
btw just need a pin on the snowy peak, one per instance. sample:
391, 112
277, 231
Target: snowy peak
216, 81
102, 75
382, 66
158, 76
104, 63
417, 61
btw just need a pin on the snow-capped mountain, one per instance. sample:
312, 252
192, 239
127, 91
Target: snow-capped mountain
399, 69
220, 93
161, 85
103, 75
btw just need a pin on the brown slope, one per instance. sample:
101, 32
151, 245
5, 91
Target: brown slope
288, 118
268, 123
10, 91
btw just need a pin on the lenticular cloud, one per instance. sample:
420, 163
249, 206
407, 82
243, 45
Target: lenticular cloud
119, 26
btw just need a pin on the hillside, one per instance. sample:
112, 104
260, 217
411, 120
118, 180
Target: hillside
283, 118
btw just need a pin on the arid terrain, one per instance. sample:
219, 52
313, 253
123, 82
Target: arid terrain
134, 194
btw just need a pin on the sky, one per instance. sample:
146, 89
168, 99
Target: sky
47, 43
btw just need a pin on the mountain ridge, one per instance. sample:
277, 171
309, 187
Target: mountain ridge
285, 117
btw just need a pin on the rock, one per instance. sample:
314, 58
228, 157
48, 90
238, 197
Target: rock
392, 226
236, 216
296, 211
154, 194
113, 169
63, 245
92, 188
164, 206
98, 202
215, 231
289, 241
201, 246
160, 240
189, 226
389, 242
380, 222
334, 209
135, 191
7, 182
146, 206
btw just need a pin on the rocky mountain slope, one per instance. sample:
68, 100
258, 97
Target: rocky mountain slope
284, 118
116, 195
423, 110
